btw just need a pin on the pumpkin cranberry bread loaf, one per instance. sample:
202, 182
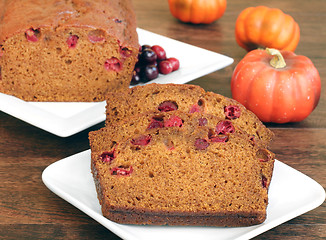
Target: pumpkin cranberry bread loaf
178, 168
187, 98
75, 50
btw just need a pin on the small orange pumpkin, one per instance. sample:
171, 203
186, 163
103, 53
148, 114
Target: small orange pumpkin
278, 86
266, 27
197, 11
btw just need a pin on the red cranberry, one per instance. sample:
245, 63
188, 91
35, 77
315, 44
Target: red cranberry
96, 36
137, 68
160, 52
72, 41
173, 121
175, 63
224, 127
116, 20
121, 171
167, 106
252, 140
135, 78
165, 67
108, 156
155, 123
213, 137
125, 52
153, 56
113, 64
32, 34
145, 46
151, 72
232, 111
202, 121
201, 144
142, 140
264, 181
148, 56
195, 108
219, 138
264, 155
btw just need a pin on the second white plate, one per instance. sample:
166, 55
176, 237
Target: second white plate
66, 119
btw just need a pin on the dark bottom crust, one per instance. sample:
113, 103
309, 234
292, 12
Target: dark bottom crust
223, 220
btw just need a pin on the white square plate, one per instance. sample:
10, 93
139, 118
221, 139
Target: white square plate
67, 118
291, 194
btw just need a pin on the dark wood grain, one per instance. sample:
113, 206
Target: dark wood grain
28, 210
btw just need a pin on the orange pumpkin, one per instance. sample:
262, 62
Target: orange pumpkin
278, 86
266, 27
197, 11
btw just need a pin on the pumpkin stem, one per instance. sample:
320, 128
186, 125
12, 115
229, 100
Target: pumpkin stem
277, 61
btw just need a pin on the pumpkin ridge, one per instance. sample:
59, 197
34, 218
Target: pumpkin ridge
295, 40
240, 34
260, 73
272, 31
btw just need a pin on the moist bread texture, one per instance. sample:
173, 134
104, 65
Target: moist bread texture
185, 97
180, 168
74, 50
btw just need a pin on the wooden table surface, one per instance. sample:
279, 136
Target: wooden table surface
28, 210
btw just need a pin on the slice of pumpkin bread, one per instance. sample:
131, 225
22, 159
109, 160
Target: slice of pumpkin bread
178, 168
187, 98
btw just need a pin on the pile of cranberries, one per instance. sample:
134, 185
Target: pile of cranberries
152, 60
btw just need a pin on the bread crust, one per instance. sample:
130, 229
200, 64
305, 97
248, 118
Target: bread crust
222, 219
